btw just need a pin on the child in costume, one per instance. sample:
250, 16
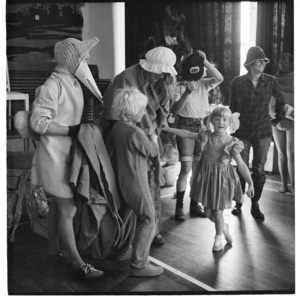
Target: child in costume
132, 147
56, 115
191, 106
215, 182
154, 76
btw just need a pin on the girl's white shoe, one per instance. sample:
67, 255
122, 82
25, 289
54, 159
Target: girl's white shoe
227, 236
218, 246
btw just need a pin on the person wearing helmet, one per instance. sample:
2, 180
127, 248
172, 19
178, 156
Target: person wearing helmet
56, 114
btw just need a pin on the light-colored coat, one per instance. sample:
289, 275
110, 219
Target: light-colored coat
58, 100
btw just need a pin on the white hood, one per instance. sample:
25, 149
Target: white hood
84, 74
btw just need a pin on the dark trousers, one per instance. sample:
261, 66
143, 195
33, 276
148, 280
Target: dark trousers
260, 153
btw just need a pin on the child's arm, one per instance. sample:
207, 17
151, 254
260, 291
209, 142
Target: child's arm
244, 170
179, 132
178, 105
153, 138
217, 76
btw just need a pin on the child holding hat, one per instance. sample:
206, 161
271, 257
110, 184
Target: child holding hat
191, 106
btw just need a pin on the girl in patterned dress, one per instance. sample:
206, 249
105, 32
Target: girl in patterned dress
216, 183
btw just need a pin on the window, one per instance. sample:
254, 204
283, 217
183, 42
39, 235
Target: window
248, 30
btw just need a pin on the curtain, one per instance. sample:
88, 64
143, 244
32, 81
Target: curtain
213, 27
275, 30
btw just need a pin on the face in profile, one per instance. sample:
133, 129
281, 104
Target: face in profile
138, 117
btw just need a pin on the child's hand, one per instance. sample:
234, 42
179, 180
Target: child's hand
250, 191
190, 86
165, 126
202, 54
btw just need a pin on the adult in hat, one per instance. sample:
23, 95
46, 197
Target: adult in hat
56, 115
191, 106
251, 95
153, 76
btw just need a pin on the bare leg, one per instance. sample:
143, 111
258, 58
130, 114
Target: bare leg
66, 212
184, 172
221, 227
281, 144
219, 221
290, 157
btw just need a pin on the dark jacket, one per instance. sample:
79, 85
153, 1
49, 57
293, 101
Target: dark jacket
97, 224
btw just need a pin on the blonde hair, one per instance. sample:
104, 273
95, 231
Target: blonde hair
128, 102
221, 111
165, 86
224, 111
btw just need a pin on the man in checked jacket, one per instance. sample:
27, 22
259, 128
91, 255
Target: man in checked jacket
258, 99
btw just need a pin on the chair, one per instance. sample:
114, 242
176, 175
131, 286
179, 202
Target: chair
15, 96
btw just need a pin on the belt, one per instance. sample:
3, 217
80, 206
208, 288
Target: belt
191, 120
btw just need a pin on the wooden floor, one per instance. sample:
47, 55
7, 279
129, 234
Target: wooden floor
261, 259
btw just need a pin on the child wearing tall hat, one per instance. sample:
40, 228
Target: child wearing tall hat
191, 106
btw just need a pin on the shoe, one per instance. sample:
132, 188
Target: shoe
218, 246
158, 240
237, 210
179, 215
87, 272
197, 211
256, 213
283, 189
227, 236
148, 271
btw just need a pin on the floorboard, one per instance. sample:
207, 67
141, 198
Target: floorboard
261, 259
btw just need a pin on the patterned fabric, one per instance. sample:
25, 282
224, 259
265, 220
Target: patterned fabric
70, 52
214, 27
215, 96
253, 105
215, 182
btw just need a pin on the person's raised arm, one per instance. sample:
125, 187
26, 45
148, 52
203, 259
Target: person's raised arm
217, 76
178, 105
